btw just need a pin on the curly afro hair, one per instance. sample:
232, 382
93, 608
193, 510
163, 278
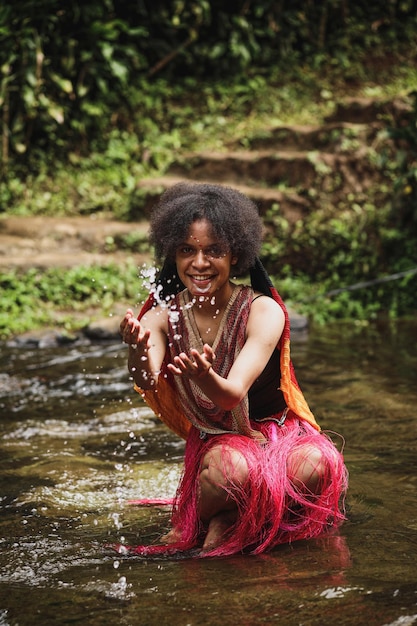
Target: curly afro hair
234, 219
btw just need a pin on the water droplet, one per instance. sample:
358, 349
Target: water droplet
174, 316
115, 516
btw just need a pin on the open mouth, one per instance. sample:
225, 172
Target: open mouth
202, 284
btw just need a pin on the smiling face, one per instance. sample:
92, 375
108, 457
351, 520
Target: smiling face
204, 262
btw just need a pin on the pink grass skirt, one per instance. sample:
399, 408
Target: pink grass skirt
271, 510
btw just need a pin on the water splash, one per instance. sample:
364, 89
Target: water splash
119, 590
148, 274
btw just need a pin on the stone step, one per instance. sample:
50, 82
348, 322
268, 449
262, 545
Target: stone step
358, 110
43, 241
350, 172
340, 137
292, 205
295, 167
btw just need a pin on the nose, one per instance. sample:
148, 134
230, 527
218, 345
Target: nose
200, 259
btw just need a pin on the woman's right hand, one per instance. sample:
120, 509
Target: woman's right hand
133, 333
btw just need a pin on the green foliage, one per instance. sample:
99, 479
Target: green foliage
64, 70
319, 260
64, 297
135, 242
97, 94
404, 213
72, 73
325, 242
170, 120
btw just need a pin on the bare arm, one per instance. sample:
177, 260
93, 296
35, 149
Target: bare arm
147, 345
264, 329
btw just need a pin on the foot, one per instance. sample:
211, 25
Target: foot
217, 529
173, 536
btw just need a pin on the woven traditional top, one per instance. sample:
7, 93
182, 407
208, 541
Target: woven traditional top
173, 398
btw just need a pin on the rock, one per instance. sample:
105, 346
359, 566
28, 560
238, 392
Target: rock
43, 338
298, 322
106, 329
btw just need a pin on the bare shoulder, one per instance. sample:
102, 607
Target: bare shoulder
266, 315
262, 303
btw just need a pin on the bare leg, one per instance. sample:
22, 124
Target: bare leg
306, 468
223, 471
217, 529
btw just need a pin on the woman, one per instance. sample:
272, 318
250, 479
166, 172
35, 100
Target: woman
211, 358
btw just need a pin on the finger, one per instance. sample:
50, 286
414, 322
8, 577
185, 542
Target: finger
144, 339
203, 361
125, 320
179, 363
209, 353
137, 334
174, 369
185, 358
128, 315
133, 324
199, 359
130, 331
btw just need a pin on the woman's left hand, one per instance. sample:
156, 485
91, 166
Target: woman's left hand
195, 365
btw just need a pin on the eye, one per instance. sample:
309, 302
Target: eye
216, 251
185, 250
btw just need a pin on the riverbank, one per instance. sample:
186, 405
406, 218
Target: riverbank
35, 242
44, 241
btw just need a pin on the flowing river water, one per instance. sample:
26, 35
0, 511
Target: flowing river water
77, 443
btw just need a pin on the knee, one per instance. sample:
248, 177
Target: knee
307, 468
224, 466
